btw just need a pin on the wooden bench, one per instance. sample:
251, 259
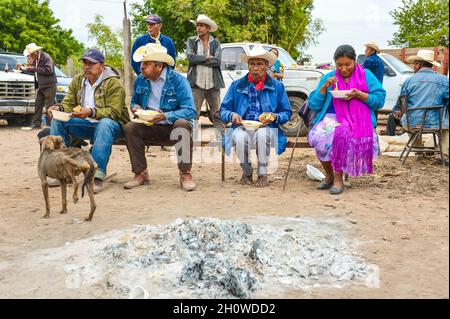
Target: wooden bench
290, 144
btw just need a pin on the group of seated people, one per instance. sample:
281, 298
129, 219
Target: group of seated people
343, 135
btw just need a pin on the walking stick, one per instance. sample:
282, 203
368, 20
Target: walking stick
290, 160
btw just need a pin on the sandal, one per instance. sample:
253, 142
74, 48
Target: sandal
324, 186
336, 191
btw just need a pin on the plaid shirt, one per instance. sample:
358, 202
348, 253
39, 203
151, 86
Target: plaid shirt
254, 105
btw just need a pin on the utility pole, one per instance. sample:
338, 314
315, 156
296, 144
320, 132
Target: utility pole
127, 51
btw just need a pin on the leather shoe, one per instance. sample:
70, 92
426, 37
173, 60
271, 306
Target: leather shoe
186, 181
98, 185
138, 180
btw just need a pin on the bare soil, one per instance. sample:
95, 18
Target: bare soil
400, 214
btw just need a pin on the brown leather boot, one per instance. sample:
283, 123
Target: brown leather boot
186, 181
138, 180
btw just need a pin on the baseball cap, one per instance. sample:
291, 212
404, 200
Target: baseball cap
94, 56
153, 18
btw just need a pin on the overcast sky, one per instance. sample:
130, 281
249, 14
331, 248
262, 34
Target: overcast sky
346, 21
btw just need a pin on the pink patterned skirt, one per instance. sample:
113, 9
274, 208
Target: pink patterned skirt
322, 134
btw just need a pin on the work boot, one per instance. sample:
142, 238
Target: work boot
98, 185
186, 181
138, 180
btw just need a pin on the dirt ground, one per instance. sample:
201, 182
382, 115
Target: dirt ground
400, 214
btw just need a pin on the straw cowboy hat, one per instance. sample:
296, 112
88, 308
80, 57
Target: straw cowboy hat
31, 48
206, 20
424, 55
373, 45
258, 52
153, 52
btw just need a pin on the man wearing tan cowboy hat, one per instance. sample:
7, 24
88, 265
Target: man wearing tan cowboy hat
167, 92
41, 65
374, 64
256, 97
204, 74
425, 88
154, 35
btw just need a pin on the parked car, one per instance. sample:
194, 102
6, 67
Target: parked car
17, 92
395, 73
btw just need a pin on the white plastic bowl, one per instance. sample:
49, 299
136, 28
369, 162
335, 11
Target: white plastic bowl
251, 125
313, 173
61, 116
147, 115
340, 94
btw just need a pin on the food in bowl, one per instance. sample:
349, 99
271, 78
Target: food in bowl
147, 115
61, 116
340, 94
252, 125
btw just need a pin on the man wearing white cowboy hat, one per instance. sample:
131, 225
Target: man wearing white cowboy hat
164, 90
204, 75
44, 80
256, 97
425, 88
374, 63
154, 35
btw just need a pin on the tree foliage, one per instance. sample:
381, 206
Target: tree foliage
26, 21
108, 41
284, 23
422, 23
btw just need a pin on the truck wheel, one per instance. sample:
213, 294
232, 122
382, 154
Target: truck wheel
291, 127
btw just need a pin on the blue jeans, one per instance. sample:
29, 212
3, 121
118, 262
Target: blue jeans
103, 133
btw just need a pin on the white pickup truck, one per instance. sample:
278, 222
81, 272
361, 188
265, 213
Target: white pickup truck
299, 82
395, 73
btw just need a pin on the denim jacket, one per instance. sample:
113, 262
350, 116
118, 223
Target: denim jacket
273, 99
425, 88
176, 101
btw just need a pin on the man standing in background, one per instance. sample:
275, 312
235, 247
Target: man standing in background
374, 63
41, 65
154, 35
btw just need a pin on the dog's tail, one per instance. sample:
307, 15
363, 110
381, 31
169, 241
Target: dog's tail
90, 174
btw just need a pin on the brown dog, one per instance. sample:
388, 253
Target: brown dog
65, 164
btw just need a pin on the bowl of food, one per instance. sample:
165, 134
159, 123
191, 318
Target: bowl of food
61, 116
147, 115
251, 125
313, 173
340, 94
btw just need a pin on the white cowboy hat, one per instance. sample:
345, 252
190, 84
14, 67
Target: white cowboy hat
258, 52
424, 55
373, 45
206, 20
31, 48
153, 52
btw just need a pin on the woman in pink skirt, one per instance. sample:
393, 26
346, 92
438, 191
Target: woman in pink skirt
343, 135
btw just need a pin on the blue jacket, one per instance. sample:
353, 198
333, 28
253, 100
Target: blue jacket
320, 103
176, 101
145, 39
425, 88
273, 99
375, 65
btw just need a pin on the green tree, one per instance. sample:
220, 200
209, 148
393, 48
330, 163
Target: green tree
108, 41
422, 23
284, 23
26, 21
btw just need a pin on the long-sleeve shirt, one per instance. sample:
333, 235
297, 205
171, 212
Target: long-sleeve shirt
375, 65
145, 39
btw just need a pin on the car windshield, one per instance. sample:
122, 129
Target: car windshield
59, 73
284, 56
21, 60
398, 65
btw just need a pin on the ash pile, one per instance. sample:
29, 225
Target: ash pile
213, 258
